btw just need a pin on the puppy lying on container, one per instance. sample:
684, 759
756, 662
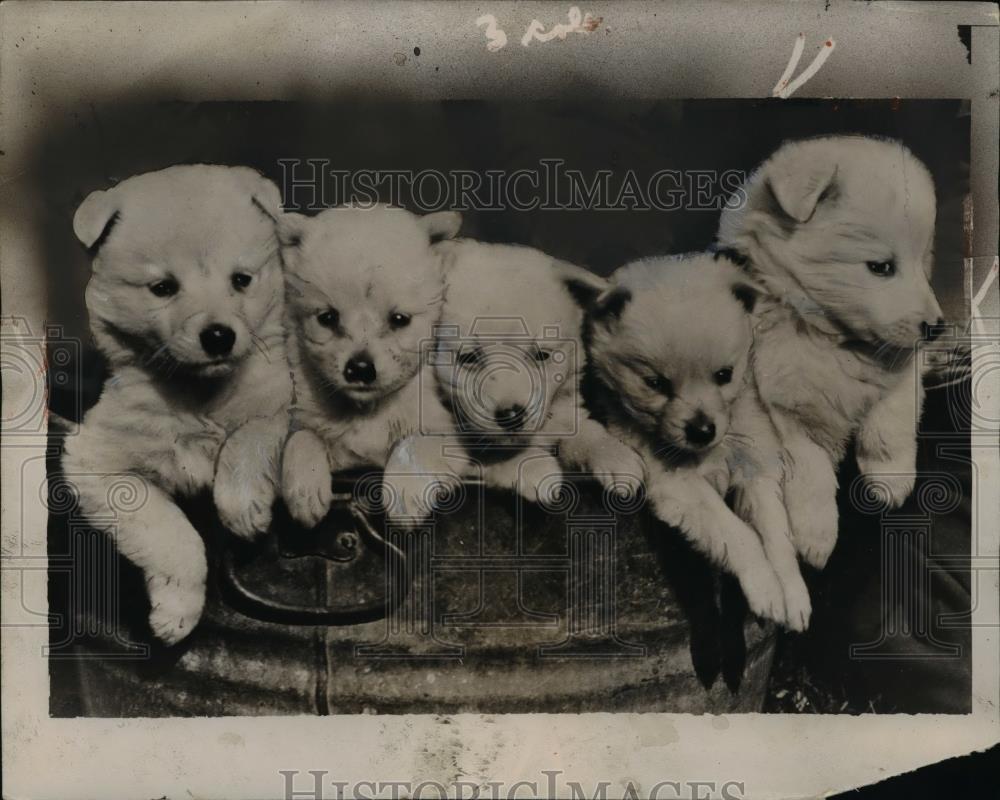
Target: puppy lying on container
839, 231
364, 291
185, 302
668, 352
508, 360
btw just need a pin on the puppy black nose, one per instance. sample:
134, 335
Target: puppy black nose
218, 340
360, 369
510, 418
932, 332
700, 430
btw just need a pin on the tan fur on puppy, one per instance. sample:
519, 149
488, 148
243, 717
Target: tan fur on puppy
668, 350
509, 369
365, 291
840, 232
185, 301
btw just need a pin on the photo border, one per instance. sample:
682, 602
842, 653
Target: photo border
56, 54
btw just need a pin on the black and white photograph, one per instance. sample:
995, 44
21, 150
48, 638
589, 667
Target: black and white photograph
441, 400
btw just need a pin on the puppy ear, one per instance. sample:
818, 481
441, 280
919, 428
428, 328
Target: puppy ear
267, 199
583, 284
95, 218
265, 196
798, 182
446, 253
296, 286
441, 224
610, 304
747, 295
291, 229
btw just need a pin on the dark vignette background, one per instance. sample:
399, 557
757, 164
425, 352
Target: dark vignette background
98, 146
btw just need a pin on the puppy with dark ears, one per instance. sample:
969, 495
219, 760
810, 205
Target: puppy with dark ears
669, 347
185, 302
365, 290
839, 231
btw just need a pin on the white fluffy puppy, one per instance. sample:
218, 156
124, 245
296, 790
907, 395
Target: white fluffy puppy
364, 292
185, 302
668, 351
509, 358
840, 232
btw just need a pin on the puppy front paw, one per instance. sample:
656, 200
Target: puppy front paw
798, 605
814, 527
815, 539
195, 470
619, 469
306, 485
175, 607
309, 498
539, 479
414, 497
244, 502
764, 593
889, 483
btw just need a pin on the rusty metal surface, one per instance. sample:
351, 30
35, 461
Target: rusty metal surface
505, 608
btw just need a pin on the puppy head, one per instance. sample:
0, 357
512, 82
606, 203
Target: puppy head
844, 228
364, 289
671, 341
186, 272
510, 335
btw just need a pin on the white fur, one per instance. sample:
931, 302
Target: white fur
834, 354
679, 326
366, 265
512, 341
170, 413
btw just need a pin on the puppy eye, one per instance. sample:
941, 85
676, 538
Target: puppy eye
659, 384
469, 357
241, 280
168, 287
723, 376
541, 355
329, 318
397, 320
881, 268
